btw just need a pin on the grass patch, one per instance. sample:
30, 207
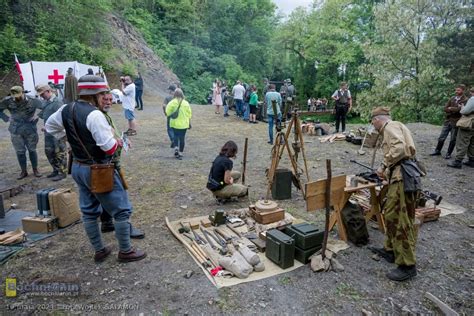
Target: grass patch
285, 280
347, 290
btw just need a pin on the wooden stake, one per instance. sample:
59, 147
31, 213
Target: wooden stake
328, 206
375, 151
441, 305
244, 162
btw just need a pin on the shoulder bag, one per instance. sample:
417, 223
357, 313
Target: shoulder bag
175, 114
102, 175
466, 121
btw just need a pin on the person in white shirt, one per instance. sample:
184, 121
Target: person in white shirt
128, 104
93, 142
238, 92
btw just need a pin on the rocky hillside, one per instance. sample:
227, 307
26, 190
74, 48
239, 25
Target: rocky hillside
156, 75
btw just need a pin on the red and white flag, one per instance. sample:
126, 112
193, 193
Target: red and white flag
18, 68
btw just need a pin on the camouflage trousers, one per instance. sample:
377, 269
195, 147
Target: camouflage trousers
399, 214
25, 138
55, 150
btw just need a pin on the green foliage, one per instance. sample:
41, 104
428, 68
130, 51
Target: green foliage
12, 42
54, 30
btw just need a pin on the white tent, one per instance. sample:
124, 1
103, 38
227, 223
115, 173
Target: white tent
39, 72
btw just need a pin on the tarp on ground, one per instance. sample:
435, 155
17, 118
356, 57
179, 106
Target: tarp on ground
271, 269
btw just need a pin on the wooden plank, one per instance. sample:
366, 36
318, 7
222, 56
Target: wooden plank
319, 186
315, 198
448, 311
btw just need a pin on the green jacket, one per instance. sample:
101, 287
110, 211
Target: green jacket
185, 114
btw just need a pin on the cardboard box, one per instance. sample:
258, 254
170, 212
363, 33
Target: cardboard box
39, 225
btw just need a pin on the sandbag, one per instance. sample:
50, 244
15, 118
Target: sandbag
251, 257
211, 253
354, 222
259, 267
237, 265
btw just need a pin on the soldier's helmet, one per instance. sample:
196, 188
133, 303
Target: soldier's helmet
91, 85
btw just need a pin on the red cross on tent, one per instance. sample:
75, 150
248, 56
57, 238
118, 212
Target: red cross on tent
55, 76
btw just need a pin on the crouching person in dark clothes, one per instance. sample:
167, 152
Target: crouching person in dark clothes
399, 210
222, 177
92, 142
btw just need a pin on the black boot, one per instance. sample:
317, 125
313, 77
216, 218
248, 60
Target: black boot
402, 273
107, 226
450, 150
455, 164
22, 175
469, 163
437, 151
389, 256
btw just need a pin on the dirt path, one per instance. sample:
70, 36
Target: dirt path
159, 185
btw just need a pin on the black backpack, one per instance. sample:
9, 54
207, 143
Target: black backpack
354, 222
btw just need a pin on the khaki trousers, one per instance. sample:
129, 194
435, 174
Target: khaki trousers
231, 190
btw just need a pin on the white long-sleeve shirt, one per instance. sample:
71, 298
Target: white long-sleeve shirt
96, 123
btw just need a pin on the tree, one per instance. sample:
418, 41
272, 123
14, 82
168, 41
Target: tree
401, 58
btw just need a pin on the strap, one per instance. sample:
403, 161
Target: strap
73, 127
179, 105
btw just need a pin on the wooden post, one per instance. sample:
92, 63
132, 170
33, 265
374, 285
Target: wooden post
328, 206
244, 162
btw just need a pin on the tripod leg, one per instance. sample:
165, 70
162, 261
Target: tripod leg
301, 139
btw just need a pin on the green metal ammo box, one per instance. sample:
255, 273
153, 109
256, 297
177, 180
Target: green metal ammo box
280, 248
281, 187
303, 255
306, 236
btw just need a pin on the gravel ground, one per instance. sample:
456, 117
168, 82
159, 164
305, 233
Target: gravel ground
162, 186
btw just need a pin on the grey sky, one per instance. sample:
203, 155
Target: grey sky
286, 6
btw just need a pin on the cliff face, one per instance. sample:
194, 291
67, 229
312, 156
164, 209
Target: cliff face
156, 75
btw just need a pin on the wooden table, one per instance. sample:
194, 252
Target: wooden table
341, 191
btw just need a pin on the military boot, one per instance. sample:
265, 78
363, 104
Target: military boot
455, 164
22, 175
52, 174
469, 163
450, 150
60, 176
402, 273
107, 226
437, 151
37, 173
388, 255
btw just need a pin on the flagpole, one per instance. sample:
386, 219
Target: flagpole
33, 74
18, 68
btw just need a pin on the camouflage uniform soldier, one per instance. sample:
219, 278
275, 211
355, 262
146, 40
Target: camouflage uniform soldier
55, 149
24, 134
399, 209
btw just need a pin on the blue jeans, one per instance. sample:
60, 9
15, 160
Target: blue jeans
239, 107
271, 123
246, 111
115, 202
169, 129
138, 99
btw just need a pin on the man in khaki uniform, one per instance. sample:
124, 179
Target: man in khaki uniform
399, 209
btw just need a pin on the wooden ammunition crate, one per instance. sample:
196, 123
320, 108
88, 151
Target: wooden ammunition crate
268, 216
427, 214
